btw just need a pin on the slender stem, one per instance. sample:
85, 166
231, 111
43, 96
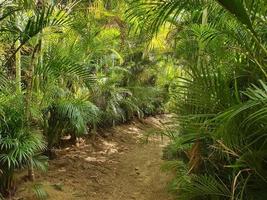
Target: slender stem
205, 16
28, 100
256, 39
18, 67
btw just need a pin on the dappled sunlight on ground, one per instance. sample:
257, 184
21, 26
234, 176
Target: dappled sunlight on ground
120, 166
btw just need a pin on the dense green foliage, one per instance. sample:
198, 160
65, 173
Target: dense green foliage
67, 69
220, 99
70, 67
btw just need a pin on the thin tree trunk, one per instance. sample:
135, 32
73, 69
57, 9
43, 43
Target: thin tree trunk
195, 153
28, 100
37, 48
205, 16
31, 174
18, 67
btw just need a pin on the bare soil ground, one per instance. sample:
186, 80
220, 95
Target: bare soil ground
121, 166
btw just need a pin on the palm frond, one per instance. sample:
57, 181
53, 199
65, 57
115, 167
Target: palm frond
204, 186
39, 192
237, 8
156, 13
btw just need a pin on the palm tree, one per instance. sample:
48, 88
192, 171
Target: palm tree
19, 145
28, 140
220, 58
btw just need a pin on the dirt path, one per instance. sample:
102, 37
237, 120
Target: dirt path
118, 167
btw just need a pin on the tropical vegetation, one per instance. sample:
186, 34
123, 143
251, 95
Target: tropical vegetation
218, 148
72, 67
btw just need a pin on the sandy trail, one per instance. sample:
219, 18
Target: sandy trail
117, 167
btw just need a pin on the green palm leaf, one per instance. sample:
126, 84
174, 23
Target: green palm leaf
237, 8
